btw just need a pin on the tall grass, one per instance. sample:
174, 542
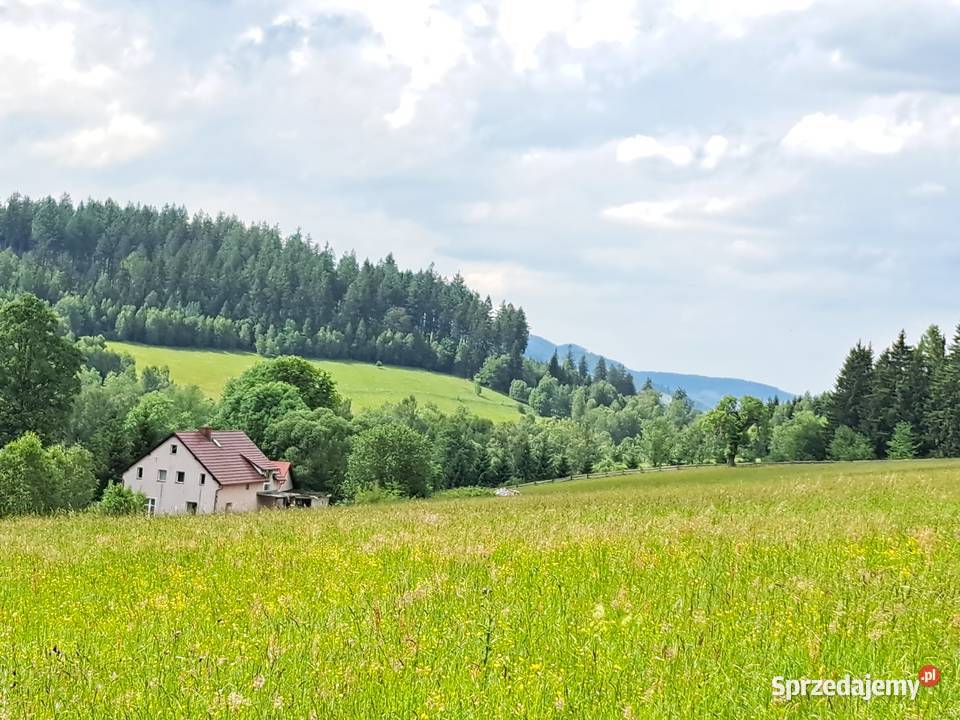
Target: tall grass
674, 595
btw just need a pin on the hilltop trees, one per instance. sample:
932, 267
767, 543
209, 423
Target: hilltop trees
157, 275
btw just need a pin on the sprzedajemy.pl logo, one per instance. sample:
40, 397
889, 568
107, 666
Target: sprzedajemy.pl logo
865, 687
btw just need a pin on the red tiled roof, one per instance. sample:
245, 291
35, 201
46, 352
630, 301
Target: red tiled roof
229, 455
283, 469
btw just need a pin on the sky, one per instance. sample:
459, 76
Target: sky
741, 188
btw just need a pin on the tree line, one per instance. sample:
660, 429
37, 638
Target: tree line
159, 276
74, 415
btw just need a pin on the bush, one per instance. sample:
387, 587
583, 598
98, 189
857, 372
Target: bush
34, 479
119, 500
608, 465
376, 494
802, 437
519, 391
848, 444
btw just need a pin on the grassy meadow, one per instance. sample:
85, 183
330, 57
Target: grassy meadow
675, 594
364, 383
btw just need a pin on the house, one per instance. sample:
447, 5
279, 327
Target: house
206, 471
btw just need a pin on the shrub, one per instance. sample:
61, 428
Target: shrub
34, 479
119, 500
848, 444
374, 495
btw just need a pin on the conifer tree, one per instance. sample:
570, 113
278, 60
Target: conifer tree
600, 371
897, 394
849, 401
902, 445
583, 370
553, 367
569, 369
942, 418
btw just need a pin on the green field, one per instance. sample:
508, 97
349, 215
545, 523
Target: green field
661, 595
364, 383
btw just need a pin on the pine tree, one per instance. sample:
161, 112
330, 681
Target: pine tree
569, 369
849, 401
600, 371
942, 418
902, 445
553, 367
583, 370
897, 394
930, 357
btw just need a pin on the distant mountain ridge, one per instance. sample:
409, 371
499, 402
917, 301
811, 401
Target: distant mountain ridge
705, 391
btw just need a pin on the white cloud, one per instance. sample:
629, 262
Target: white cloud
732, 16
123, 137
582, 24
644, 146
477, 15
501, 280
822, 134
752, 251
253, 35
644, 213
43, 57
425, 40
299, 57
713, 151
928, 189
502, 212
694, 213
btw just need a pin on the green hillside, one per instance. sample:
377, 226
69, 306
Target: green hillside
366, 384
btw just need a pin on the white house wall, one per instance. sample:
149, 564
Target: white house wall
172, 497
241, 498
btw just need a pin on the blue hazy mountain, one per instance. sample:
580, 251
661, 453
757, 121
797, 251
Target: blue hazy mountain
703, 390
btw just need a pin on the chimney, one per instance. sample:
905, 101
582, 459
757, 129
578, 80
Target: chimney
207, 432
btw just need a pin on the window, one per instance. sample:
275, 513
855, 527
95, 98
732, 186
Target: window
181, 476
203, 478
173, 449
151, 506
191, 508
266, 485
228, 507
139, 473
161, 475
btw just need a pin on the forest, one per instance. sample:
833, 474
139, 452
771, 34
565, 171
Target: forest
161, 277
